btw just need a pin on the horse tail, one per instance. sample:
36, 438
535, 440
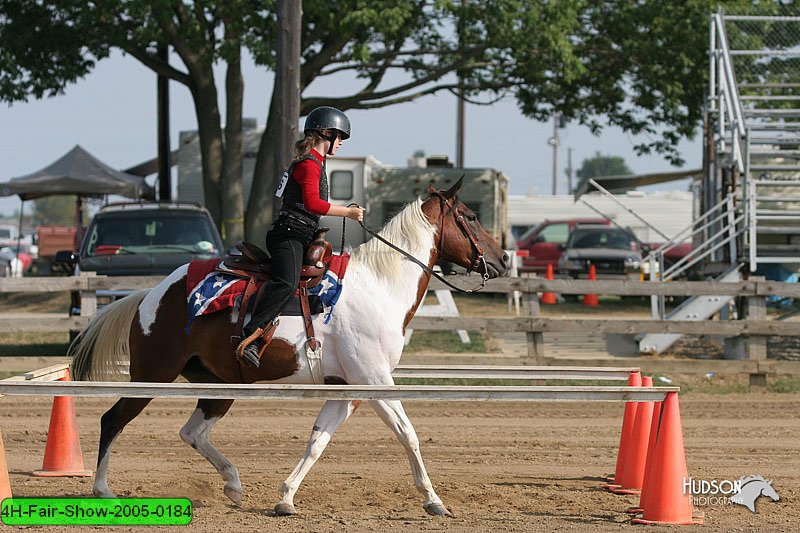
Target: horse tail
99, 350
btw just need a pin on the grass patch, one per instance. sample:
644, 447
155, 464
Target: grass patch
466, 382
472, 382
713, 388
34, 343
446, 341
784, 385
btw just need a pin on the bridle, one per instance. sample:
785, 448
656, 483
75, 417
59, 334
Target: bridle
480, 258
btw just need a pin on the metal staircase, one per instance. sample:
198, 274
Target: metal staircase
748, 205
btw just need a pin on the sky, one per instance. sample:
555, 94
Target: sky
111, 113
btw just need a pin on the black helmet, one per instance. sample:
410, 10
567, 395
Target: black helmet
328, 118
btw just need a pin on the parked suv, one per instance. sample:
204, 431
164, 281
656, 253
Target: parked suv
141, 239
616, 253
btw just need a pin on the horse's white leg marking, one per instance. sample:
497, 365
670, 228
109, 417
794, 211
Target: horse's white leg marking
330, 417
394, 416
100, 488
195, 434
149, 306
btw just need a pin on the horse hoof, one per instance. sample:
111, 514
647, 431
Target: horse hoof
285, 509
97, 493
437, 509
235, 495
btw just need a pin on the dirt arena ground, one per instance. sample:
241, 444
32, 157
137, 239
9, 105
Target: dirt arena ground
497, 466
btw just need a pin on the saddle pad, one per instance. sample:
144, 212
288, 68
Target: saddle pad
210, 291
330, 288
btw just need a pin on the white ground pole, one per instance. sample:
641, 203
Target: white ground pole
41, 383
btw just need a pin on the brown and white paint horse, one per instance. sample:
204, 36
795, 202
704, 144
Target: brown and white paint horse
362, 342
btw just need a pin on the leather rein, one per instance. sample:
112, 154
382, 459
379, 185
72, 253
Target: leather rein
479, 259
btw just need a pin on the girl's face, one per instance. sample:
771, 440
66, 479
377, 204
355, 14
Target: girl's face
336, 144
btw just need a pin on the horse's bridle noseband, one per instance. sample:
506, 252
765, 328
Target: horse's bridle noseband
479, 259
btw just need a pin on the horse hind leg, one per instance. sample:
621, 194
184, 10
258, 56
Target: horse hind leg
330, 417
195, 433
111, 425
394, 416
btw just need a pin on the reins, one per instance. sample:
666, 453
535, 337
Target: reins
422, 265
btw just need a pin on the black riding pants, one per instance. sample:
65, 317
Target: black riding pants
287, 253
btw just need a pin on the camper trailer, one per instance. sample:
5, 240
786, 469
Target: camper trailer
382, 189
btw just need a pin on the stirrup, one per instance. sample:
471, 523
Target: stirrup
264, 334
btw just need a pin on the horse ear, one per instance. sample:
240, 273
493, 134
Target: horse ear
431, 189
453, 191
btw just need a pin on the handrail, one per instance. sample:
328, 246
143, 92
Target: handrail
709, 219
729, 102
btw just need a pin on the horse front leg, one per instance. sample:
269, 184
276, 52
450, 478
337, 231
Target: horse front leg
394, 416
330, 417
195, 433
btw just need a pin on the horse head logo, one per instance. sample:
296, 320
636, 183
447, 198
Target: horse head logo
751, 488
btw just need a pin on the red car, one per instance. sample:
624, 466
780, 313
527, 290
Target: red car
544, 242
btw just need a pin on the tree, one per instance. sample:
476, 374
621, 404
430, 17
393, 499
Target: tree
637, 65
603, 165
54, 210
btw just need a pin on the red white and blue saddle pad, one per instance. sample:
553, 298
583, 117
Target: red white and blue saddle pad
330, 288
210, 291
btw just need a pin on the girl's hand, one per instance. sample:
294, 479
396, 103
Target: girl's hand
356, 213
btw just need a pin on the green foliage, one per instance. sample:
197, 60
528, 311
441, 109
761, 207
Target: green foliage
640, 66
787, 385
54, 210
603, 165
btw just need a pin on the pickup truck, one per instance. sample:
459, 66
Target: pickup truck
141, 239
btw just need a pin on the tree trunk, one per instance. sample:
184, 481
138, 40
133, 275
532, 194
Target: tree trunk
232, 193
275, 151
210, 134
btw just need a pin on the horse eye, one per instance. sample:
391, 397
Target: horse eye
472, 217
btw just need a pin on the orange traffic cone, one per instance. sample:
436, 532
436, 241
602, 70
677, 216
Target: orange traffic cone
5, 484
667, 501
634, 380
648, 465
549, 297
62, 454
633, 472
591, 300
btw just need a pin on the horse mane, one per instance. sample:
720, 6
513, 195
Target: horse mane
407, 229
745, 480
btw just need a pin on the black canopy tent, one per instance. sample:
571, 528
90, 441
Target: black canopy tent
77, 173
80, 173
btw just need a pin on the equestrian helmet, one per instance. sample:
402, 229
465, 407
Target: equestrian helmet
328, 118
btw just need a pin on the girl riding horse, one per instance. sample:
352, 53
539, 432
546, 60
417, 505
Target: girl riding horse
304, 196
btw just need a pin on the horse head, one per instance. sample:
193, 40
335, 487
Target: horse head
769, 491
461, 239
751, 488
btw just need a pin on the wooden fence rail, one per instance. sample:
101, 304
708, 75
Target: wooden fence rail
501, 285
756, 328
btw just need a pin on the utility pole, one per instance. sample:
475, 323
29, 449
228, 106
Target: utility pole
460, 107
460, 128
568, 170
164, 156
553, 141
